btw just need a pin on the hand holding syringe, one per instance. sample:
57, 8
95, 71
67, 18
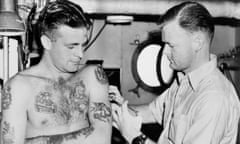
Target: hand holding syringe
116, 98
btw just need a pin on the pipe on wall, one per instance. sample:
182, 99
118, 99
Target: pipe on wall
154, 7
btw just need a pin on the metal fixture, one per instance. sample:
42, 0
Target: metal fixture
119, 19
10, 22
10, 25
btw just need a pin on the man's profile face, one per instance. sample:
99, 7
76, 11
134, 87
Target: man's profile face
178, 46
67, 47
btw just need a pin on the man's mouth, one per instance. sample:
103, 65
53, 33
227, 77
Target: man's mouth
76, 62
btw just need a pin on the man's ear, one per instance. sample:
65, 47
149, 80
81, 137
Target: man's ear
46, 42
198, 41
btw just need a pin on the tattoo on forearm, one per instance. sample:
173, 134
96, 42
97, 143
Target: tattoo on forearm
6, 97
101, 75
101, 112
59, 139
7, 133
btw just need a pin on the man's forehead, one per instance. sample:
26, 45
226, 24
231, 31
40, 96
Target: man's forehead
70, 34
67, 30
170, 25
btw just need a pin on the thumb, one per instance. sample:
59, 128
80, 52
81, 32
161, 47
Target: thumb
115, 125
139, 120
125, 106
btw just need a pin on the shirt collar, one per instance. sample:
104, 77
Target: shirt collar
197, 75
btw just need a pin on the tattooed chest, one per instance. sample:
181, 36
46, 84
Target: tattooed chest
65, 103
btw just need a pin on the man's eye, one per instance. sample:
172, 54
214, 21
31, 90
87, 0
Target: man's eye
70, 47
168, 45
171, 46
85, 43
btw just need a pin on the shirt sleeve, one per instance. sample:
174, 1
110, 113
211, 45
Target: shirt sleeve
157, 107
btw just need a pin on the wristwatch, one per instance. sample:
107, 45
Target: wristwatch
139, 139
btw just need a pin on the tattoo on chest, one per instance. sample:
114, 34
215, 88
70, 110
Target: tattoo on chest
63, 100
6, 98
45, 104
101, 112
101, 75
7, 133
60, 139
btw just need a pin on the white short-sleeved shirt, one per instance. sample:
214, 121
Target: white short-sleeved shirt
201, 107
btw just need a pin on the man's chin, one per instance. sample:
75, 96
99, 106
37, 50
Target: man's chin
73, 70
174, 67
80, 66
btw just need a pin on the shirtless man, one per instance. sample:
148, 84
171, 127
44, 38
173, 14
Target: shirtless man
59, 100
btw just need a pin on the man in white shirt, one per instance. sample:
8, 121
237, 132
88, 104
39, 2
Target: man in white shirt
201, 106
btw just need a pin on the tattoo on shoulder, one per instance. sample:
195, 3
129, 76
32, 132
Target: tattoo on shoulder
7, 133
6, 98
101, 112
60, 139
101, 75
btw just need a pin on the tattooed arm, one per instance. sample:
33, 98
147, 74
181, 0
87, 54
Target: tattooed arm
100, 110
14, 105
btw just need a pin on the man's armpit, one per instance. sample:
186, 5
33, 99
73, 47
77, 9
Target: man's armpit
101, 111
60, 139
6, 97
7, 133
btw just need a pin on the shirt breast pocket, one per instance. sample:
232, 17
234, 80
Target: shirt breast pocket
178, 128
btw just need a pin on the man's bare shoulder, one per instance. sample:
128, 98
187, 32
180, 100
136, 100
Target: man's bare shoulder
93, 74
17, 90
24, 81
18, 82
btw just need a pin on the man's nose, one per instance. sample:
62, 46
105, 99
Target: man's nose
79, 52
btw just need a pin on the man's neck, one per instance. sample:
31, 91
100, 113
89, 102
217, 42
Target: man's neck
51, 71
200, 59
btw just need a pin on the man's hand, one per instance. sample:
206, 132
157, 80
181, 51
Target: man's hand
128, 125
114, 95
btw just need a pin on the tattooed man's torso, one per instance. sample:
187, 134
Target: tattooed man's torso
57, 111
58, 106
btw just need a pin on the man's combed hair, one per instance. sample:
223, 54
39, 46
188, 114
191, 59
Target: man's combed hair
191, 16
62, 12
57, 13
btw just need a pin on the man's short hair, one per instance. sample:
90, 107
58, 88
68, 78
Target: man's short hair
61, 12
191, 16
57, 13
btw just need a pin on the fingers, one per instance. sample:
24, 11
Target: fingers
114, 94
115, 109
115, 125
115, 120
128, 111
125, 107
113, 89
